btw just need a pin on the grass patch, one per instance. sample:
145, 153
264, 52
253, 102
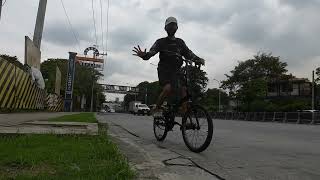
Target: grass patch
81, 117
61, 157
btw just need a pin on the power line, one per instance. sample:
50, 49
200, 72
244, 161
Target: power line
101, 24
71, 28
107, 33
94, 23
4, 2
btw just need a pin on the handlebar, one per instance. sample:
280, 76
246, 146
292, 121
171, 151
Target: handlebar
187, 61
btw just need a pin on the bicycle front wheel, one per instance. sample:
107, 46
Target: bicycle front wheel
197, 129
160, 129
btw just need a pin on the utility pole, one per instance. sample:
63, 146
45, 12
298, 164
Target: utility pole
91, 107
146, 97
219, 95
313, 86
0, 8
37, 36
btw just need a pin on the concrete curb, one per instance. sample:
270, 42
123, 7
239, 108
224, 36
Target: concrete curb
46, 127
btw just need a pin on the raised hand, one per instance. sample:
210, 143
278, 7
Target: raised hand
139, 52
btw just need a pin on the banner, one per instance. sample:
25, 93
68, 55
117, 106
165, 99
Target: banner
32, 54
69, 83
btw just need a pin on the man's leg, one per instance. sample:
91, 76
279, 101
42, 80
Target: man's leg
166, 91
184, 103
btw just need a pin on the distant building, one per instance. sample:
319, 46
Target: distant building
293, 87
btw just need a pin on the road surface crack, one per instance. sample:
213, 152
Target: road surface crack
193, 164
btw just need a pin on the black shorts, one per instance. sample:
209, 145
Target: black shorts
170, 76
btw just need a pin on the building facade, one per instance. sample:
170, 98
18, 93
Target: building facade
294, 87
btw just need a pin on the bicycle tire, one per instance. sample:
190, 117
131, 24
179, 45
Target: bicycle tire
194, 111
160, 137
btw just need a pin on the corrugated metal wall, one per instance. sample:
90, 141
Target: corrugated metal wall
17, 91
54, 102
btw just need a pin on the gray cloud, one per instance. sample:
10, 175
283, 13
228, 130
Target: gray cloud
223, 31
213, 13
301, 4
124, 38
289, 34
60, 34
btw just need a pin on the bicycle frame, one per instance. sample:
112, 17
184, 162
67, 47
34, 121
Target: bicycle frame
172, 108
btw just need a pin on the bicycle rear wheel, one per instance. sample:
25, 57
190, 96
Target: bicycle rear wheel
160, 129
197, 129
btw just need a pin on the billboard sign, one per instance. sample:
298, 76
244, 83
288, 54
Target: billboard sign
32, 54
95, 63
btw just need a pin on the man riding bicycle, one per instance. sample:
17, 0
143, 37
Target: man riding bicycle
171, 50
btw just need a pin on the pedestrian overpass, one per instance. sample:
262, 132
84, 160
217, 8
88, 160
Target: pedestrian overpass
120, 89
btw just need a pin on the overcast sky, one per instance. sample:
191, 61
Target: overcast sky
220, 31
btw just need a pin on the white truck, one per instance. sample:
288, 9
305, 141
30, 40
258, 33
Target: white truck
136, 107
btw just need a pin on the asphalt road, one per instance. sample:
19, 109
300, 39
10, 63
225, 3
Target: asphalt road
243, 150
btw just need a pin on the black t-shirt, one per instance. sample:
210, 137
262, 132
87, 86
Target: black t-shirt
170, 52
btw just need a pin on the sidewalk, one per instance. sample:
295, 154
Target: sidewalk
36, 123
14, 119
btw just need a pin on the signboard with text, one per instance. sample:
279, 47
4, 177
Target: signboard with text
120, 89
69, 81
95, 63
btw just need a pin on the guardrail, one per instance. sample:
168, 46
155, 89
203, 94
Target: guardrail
284, 117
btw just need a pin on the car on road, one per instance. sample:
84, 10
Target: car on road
142, 109
136, 107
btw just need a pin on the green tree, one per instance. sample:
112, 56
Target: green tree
210, 99
317, 78
197, 81
83, 80
151, 89
248, 80
12, 59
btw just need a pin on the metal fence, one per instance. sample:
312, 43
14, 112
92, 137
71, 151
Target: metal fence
285, 117
17, 91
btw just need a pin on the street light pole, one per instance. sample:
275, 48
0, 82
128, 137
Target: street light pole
313, 86
219, 95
